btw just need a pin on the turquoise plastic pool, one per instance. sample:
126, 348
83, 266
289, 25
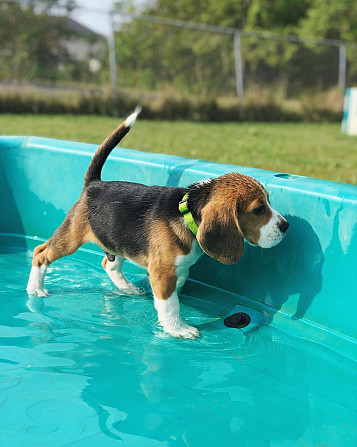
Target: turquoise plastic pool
90, 367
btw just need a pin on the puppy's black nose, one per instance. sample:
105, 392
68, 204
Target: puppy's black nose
283, 226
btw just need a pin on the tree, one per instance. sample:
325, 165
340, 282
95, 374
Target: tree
31, 39
331, 19
277, 15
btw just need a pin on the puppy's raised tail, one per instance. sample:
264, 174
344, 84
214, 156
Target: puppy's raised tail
101, 154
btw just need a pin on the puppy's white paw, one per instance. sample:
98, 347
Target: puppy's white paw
169, 317
183, 331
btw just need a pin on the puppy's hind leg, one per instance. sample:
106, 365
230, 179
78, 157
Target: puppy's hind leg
35, 285
65, 241
44, 255
114, 271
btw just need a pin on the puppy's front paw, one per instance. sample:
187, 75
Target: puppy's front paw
169, 317
183, 331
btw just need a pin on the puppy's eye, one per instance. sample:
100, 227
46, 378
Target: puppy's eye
259, 210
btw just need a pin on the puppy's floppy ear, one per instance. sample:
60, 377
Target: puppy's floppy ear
219, 234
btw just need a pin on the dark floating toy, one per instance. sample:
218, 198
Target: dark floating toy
237, 320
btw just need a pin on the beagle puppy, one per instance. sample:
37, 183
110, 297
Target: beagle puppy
164, 229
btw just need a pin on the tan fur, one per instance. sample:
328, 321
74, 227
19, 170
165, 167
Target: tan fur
74, 232
163, 251
229, 216
252, 225
183, 235
104, 262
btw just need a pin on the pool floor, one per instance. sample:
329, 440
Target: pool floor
90, 367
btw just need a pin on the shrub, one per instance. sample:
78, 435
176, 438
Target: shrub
168, 106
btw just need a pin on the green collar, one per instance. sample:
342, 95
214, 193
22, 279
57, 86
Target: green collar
184, 210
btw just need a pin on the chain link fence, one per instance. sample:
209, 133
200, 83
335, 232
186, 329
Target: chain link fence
154, 60
257, 68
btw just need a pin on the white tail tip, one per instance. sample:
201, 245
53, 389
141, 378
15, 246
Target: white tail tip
129, 122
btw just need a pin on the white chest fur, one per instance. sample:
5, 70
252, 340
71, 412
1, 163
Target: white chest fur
184, 262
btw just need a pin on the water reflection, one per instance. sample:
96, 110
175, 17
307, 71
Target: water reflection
88, 365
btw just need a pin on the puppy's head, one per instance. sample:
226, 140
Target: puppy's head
238, 208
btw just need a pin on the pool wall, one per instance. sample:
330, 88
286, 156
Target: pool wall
311, 275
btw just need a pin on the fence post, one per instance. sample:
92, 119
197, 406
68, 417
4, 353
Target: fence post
342, 71
112, 58
238, 63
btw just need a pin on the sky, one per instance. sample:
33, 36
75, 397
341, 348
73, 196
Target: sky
97, 19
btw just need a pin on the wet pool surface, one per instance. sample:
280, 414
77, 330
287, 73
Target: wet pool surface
90, 367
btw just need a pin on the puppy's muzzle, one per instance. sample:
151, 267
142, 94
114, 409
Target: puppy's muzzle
274, 231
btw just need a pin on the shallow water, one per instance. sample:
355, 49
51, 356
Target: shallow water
90, 367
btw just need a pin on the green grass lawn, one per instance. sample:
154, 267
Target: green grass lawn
317, 150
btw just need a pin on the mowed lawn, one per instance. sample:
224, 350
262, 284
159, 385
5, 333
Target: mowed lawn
317, 150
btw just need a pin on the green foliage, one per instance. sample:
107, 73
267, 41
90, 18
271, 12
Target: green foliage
332, 19
277, 15
161, 57
157, 57
224, 12
29, 40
